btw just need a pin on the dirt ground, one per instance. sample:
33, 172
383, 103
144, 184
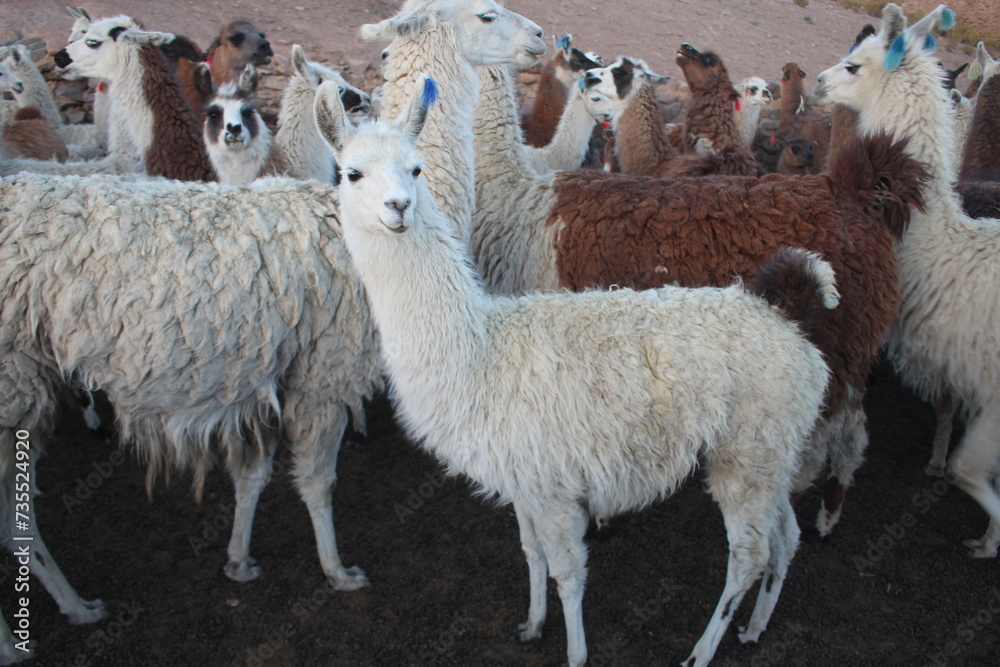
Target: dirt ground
891, 586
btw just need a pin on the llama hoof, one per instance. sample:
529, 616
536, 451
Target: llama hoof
523, 634
746, 635
352, 579
90, 611
980, 548
243, 571
826, 521
935, 469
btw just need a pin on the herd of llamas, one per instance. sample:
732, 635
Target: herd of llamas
574, 306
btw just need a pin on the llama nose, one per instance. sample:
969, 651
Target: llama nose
62, 58
398, 205
234, 129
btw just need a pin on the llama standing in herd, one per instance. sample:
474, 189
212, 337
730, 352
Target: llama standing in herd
239, 144
797, 121
754, 93
298, 138
572, 406
28, 134
947, 336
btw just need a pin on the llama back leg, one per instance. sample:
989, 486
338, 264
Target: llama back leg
249, 478
538, 569
560, 532
847, 446
975, 464
315, 472
784, 540
945, 408
27, 545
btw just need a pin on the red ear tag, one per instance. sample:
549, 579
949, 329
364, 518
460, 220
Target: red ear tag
774, 140
101, 86
739, 107
605, 123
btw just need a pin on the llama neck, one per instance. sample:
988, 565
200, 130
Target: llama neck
912, 103
36, 94
308, 155
746, 120
711, 116
130, 99
498, 139
791, 100
446, 140
550, 100
641, 142
429, 306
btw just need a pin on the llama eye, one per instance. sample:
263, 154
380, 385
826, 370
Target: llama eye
353, 175
852, 69
488, 17
92, 43
416, 172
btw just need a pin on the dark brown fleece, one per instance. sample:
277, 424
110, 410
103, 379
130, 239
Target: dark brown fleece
981, 160
182, 56
178, 150
785, 282
30, 135
815, 127
641, 142
980, 199
550, 99
641, 233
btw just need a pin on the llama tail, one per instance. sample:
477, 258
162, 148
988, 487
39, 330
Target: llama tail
801, 285
878, 171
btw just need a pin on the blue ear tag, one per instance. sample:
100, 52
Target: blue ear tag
430, 94
563, 43
894, 56
930, 43
947, 20
582, 84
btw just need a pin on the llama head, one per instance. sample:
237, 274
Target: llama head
792, 72
486, 32
231, 118
984, 66
572, 62
379, 164
356, 101
798, 152
894, 52
702, 71
9, 82
102, 51
755, 91
241, 43
619, 81
81, 22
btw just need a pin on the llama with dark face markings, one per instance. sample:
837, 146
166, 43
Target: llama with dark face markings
239, 144
238, 44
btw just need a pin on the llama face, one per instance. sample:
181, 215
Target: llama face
702, 71
249, 42
616, 83
754, 90
101, 53
574, 63
9, 82
231, 118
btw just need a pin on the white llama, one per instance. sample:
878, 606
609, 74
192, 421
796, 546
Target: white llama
947, 337
564, 404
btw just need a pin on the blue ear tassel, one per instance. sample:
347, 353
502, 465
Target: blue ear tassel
947, 20
430, 94
894, 56
582, 83
563, 43
930, 44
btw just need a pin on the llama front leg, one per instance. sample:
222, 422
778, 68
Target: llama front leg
945, 408
975, 465
537, 576
560, 531
784, 541
249, 481
315, 473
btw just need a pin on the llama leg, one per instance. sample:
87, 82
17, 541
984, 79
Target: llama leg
560, 531
975, 464
847, 452
944, 414
783, 541
537, 576
29, 549
249, 481
315, 473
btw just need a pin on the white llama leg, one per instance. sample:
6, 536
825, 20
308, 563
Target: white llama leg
249, 483
538, 572
944, 414
847, 453
560, 531
315, 473
975, 464
784, 541
77, 610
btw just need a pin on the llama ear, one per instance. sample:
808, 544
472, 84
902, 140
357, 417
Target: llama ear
301, 65
564, 42
78, 13
248, 79
920, 32
409, 24
145, 38
422, 100
331, 119
893, 24
202, 80
980, 64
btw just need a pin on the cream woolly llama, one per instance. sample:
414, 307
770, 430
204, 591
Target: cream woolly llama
573, 405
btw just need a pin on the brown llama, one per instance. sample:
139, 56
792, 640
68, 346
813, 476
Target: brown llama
797, 155
981, 158
30, 135
796, 121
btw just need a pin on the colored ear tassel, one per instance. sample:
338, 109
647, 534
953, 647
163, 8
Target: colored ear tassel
947, 20
894, 56
563, 43
430, 94
930, 44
